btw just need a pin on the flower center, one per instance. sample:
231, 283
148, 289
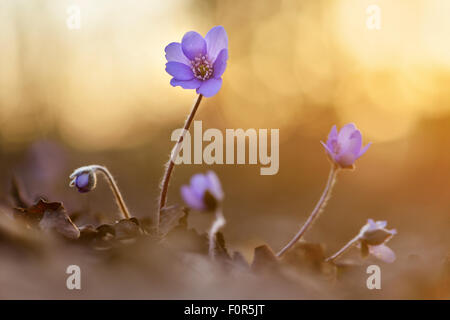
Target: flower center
202, 68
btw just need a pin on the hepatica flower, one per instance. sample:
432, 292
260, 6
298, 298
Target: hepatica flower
204, 192
373, 237
197, 62
345, 147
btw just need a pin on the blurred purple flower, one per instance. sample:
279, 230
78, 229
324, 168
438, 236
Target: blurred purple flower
204, 192
373, 238
197, 62
344, 147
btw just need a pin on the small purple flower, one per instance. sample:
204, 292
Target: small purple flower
197, 62
344, 147
373, 238
204, 192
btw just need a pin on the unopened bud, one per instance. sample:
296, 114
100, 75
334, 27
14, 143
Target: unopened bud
84, 179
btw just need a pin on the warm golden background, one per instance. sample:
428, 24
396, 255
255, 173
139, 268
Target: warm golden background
100, 95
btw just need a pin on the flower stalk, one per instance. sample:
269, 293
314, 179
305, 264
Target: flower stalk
341, 251
218, 223
171, 163
317, 209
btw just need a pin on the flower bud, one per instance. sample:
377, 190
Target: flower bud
344, 147
84, 179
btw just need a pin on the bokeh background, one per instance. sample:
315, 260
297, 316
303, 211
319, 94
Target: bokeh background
100, 94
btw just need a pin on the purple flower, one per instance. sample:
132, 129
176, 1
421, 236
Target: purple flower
344, 147
373, 238
197, 62
204, 192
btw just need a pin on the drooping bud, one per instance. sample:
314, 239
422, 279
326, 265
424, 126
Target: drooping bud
372, 240
375, 233
84, 179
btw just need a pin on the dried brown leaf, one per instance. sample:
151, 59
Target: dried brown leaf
171, 217
60, 222
305, 255
264, 259
239, 261
49, 216
127, 229
18, 197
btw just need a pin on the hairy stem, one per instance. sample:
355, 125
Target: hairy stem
315, 213
343, 249
170, 164
115, 190
218, 223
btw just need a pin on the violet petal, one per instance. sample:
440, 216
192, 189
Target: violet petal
346, 131
175, 53
220, 64
214, 185
353, 144
191, 198
186, 84
179, 71
199, 184
327, 148
216, 41
210, 87
363, 150
333, 133
193, 45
